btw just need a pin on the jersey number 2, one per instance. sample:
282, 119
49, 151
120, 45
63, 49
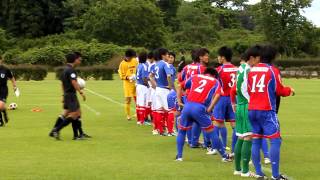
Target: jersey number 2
201, 87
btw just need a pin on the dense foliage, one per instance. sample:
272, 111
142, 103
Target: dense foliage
41, 32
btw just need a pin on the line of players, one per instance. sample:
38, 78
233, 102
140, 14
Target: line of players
204, 95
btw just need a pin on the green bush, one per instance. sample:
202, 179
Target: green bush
297, 63
29, 72
86, 72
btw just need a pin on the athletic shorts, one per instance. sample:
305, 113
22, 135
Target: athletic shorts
264, 124
195, 112
142, 93
70, 102
152, 98
223, 110
3, 94
243, 126
129, 88
161, 100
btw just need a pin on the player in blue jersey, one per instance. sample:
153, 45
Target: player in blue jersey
142, 88
161, 78
204, 92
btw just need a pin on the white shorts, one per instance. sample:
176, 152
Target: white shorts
142, 92
161, 97
152, 98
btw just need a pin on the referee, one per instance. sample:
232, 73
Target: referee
71, 106
5, 74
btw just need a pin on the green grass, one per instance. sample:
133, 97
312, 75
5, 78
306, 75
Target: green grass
122, 150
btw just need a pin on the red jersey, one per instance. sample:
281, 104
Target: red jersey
227, 74
202, 88
192, 69
264, 84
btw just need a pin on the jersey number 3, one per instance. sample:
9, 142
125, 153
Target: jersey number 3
260, 84
201, 87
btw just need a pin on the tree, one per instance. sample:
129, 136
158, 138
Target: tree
169, 8
282, 22
196, 26
126, 22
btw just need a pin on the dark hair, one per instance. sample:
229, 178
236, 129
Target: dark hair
130, 53
78, 54
202, 52
181, 65
150, 55
160, 52
71, 57
225, 52
142, 57
268, 54
194, 55
212, 71
172, 54
253, 51
244, 57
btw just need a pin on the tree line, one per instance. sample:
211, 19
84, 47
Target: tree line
176, 24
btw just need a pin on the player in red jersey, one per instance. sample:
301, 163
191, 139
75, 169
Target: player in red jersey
201, 57
223, 111
264, 84
203, 95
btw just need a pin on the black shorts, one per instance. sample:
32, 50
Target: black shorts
3, 94
70, 102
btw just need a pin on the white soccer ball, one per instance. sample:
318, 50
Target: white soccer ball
13, 106
81, 82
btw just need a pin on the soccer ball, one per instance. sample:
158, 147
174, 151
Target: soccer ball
13, 106
81, 82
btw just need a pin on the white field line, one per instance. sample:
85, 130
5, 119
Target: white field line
104, 97
92, 110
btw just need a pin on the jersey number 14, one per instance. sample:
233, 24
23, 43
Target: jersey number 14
260, 85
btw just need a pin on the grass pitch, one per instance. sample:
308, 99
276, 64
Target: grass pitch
122, 150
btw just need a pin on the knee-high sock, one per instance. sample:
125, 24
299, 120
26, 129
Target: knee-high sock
207, 142
265, 148
147, 112
223, 133
1, 120
234, 139
256, 146
237, 155
189, 136
196, 131
275, 156
154, 114
159, 120
64, 123
5, 115
170, 121
245, 155
180, 142
58, 121
127, 109
141, 112
75, 127
216, 142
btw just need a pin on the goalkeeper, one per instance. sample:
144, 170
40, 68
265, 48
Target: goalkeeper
127, 72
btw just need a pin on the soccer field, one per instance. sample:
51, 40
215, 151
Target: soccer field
122, 150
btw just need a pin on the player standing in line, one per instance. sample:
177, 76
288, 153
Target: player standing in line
204, 92
264, 84
161, 78
127, 72
5, 74
150, 64
71, 104
223, 111
239, 99
142, 88
171, 100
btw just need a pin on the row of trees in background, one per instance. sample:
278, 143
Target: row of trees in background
40, 32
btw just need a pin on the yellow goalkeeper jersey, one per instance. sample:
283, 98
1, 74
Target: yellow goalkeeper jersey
127, 68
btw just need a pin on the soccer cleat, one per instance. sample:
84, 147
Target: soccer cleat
228, 158
211, 151
55, 135
128, 118
249, 174
178, 159
84, 136
163, 134
147, 123
236, 173
281, 177
195, 145
171, 134
263, 177
155, 132
267, 161
139, 123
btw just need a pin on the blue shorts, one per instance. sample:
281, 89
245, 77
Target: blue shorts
195, 112
223, 110
264, 124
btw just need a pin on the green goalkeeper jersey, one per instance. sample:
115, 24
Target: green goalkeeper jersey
242, 84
